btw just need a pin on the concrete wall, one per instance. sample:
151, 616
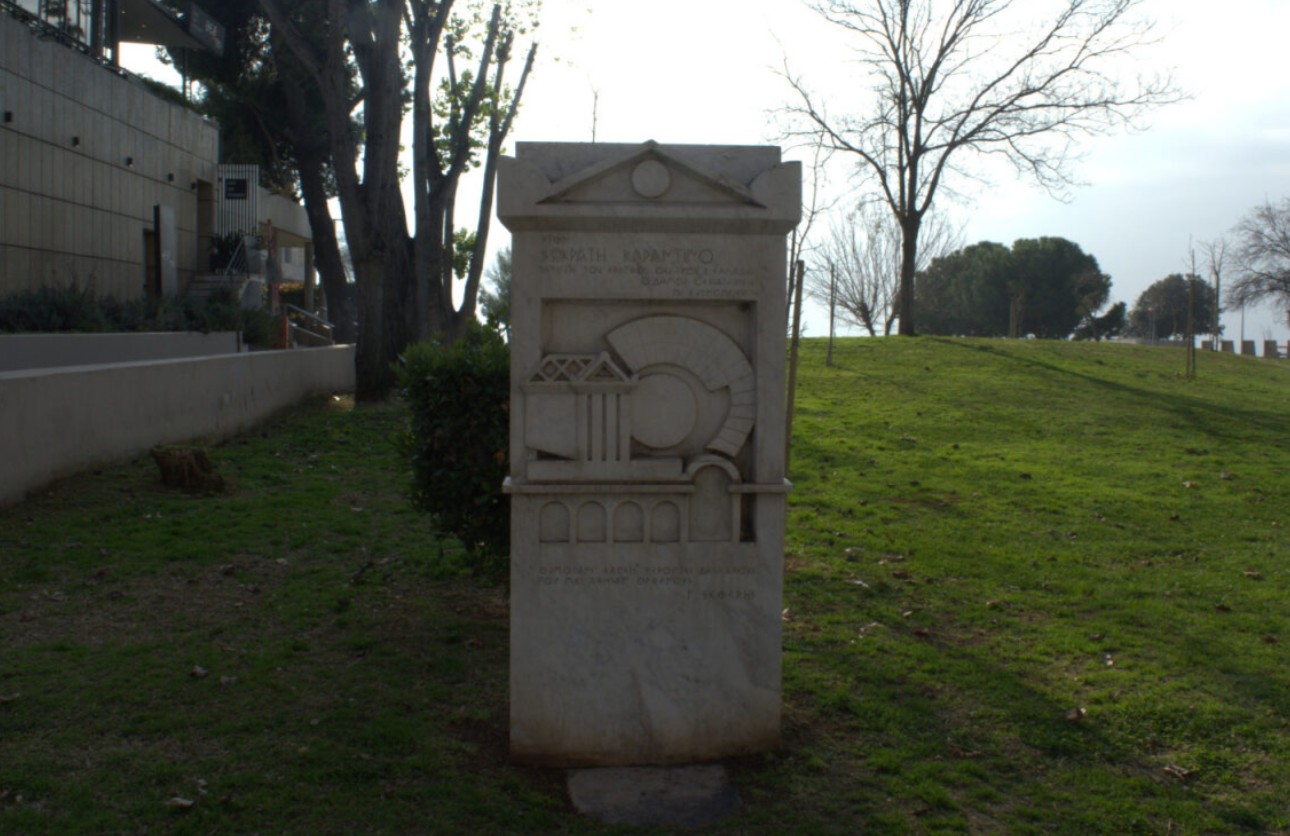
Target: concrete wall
48, 351
57, 423
72, 207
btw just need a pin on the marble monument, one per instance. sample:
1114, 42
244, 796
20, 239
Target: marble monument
647, 449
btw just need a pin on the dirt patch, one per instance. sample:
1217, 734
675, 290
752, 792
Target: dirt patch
101, 609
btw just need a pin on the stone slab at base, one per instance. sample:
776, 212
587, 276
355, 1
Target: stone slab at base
687, 797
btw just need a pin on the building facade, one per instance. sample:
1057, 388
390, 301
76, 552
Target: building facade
104, 182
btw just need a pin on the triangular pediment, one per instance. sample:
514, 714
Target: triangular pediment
649, 174
603, 370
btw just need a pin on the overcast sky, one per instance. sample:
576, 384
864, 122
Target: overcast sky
706, 71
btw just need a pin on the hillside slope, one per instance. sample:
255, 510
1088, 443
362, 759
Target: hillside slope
1041, 584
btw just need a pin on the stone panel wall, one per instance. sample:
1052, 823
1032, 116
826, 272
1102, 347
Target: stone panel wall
85, 155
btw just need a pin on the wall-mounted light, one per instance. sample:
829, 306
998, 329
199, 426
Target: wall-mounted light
8, 116
129, 162
170, 177
76, 142
193, 185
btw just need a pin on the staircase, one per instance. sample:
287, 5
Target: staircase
203, 284
236, 275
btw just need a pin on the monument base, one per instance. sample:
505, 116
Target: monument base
688, 797
634, 654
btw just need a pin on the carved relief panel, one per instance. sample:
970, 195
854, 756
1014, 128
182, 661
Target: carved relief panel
647, 482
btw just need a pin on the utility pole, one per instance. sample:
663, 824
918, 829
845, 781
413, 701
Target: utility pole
792, 365
833, 308
1190, 337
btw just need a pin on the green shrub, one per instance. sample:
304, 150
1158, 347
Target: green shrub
259, 328
54, 309
458, 398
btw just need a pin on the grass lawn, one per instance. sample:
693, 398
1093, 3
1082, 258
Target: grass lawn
1032, 586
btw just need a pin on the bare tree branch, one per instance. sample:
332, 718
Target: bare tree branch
499, 128
950, 80
1262, 256
861, 259
1216, 255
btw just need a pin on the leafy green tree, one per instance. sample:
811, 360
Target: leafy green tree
269, 109
406, 54
1053, 287
495, 300
1109, 324
964, 293
1161, 309
1046, 287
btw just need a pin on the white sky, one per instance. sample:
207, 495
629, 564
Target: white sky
705, 71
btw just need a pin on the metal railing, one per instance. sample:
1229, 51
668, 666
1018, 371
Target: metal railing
317, 330
237, 263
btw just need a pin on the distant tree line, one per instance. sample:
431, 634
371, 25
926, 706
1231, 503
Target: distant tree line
1161, 310
1044, 287
1257, 253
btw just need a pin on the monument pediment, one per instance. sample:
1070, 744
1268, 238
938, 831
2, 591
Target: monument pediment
649, 174
648, 186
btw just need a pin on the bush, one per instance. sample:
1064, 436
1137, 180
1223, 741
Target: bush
52, 309
458, 397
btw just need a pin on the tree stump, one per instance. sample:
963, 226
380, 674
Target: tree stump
187, 468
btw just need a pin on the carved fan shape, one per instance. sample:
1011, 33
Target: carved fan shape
706, 352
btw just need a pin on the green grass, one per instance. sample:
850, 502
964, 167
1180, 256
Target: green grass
1032, 587
354, 677
1041, 585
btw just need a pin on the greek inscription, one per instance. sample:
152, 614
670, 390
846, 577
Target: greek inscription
573, 255
679, 272
729, 595
668, 255
643, 575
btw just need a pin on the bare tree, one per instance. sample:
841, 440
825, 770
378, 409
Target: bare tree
814, 205
863, 254
406, 53
1216, 256
951, 77
1263, 256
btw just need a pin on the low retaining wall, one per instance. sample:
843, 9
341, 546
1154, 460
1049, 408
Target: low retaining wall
62, 421
46, 351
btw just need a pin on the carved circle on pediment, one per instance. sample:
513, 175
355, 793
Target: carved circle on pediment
650, 179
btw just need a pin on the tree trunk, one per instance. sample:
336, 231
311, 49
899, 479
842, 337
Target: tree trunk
405, 283
1016, 312
340, 294
908, 265
369, 360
